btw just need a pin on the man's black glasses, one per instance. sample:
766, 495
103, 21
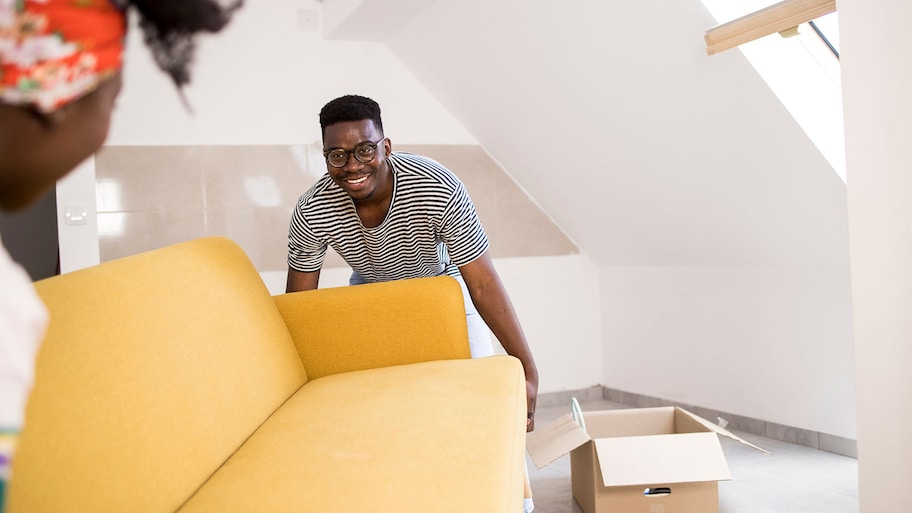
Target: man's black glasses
364, 153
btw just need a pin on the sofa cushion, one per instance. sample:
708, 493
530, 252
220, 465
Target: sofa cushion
155, 369
438, 436
330, 322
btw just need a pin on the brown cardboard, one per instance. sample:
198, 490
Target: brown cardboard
669, 451
552, 441
676, 458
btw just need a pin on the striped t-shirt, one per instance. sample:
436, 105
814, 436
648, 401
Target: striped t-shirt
431, 227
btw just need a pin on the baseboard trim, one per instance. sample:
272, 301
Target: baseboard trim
798, 436
583, 395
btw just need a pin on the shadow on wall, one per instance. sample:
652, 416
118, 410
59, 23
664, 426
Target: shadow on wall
30, 237
154, 196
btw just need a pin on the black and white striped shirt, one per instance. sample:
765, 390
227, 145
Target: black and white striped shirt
431, 228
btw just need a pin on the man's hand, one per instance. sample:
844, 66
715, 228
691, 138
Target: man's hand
531, 398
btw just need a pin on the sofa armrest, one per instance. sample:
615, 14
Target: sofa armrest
375, 325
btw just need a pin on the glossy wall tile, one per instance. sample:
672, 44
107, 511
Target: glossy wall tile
153, 196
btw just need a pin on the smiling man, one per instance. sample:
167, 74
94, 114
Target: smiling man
395, 216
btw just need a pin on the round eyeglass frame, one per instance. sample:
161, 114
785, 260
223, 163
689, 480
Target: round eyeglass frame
348, 153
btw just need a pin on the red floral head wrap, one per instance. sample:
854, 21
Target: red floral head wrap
53, 52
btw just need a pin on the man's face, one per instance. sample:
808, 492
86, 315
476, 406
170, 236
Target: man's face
363, 181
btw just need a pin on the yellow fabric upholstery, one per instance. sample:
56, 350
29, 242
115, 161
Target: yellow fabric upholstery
170, 381
155, 369
419, 438
408, 321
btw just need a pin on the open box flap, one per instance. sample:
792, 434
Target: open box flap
552, 441
720, 430
661, 459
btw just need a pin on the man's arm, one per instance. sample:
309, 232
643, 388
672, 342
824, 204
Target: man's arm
298, 280
494, 305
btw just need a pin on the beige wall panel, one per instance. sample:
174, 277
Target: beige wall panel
153, 196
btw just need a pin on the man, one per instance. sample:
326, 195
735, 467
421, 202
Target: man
396, 216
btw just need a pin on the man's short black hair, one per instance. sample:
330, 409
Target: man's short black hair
350, 107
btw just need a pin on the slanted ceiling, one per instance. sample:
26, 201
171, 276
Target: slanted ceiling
610, 114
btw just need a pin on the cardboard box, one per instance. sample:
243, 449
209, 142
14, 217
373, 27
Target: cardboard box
645, 460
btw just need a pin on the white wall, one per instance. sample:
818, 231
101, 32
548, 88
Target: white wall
263, 81
704, 169
772, 343
645, 150
557, 300
650, 153
877, 77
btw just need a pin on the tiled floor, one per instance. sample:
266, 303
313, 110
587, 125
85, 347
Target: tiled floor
793, 479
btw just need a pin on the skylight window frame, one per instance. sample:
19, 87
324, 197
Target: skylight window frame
776, 18
808, 81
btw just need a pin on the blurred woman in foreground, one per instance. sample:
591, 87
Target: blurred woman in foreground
60, 74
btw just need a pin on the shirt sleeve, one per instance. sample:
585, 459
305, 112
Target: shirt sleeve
23, 319
461, 229
305, 250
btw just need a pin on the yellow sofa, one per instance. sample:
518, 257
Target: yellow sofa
172, 381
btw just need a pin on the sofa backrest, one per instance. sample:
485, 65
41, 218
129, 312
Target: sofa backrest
155, 369
407, 321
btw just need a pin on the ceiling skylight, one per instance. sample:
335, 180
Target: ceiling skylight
802, 70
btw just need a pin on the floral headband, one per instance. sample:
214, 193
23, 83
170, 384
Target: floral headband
53, 52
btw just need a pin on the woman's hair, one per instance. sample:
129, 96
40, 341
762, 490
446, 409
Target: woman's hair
169, 27
57, 51
350, 108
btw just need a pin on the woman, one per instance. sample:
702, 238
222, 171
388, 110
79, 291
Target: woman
60, 73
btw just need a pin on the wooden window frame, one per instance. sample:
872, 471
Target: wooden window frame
776, 18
